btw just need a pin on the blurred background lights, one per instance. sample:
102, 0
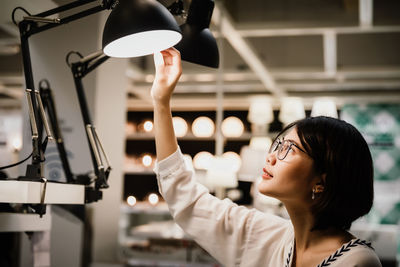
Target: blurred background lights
147, 160
292, 109
148, 126
131, 200
17, 143
234, 160
232, 127
203, 127
324, 107
260, 142
153, 199
203, 160
180, 126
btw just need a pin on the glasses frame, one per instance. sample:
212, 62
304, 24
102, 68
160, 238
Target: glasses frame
279, 145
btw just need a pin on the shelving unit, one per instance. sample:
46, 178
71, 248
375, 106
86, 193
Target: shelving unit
141, 182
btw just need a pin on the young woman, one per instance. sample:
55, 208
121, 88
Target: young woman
320, 168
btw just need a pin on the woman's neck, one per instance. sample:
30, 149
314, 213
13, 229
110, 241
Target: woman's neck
303, 221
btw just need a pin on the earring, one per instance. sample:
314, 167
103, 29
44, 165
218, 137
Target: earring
317, 189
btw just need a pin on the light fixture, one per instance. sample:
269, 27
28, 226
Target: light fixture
253, 160
146, 126
147, 160
292, 109
198, 45
131, 200
260, 142
260, 110
324, 107
222, 173
153, 199
203, 160
234, 159
232, 127
203, 127
180, 126
139, 27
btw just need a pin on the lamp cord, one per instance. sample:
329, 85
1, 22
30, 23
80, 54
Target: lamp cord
15, 164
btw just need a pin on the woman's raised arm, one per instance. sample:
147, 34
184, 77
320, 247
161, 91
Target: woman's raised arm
168, 70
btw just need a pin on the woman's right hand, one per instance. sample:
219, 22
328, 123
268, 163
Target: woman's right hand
168, 70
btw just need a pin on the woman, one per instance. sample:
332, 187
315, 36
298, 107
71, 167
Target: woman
320, 168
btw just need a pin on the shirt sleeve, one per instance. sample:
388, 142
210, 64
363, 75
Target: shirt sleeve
220, 226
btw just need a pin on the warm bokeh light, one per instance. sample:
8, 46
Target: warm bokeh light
203, 127
153, 199
148, 126
232, 127
17, 143
147, 160
180, 126
131, 200
203, 160
234, 159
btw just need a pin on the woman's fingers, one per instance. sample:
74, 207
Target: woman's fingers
158, 59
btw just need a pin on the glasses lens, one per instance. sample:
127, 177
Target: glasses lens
284, 149
274, 146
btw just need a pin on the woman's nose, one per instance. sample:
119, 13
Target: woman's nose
271, 158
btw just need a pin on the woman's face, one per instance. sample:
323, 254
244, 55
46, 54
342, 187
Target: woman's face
292, 178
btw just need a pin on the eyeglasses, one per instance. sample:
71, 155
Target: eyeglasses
283, 148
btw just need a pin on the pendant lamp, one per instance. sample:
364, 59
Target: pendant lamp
198, 45
139, 27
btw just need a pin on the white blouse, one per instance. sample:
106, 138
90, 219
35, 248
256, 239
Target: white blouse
236, 235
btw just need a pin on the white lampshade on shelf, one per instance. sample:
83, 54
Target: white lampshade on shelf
260, 142
180, 126
234, 158
260, 110
292, 109
232, 127
203, 160
221, 173
324, 107
253, 160
203, 127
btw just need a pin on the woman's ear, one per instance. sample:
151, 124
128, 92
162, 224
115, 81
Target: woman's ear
320, 185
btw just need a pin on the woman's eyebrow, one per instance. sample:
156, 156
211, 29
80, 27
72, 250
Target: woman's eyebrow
294, 142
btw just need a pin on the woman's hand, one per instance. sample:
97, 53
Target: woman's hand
168, 71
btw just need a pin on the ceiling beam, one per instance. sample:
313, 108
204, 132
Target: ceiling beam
243, 48
265, 30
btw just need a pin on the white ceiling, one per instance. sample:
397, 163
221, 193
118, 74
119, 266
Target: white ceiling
344, 49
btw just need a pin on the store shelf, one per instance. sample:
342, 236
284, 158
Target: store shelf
13, 191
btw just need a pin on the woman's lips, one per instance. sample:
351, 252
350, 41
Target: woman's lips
266, 174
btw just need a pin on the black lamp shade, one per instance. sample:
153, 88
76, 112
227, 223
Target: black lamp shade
198, 46
139, 27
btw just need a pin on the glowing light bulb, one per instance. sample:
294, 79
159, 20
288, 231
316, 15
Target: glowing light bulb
147, 160
153, 199
232, 127
180, 126
131, 200
203, 160
203, 127
148, 126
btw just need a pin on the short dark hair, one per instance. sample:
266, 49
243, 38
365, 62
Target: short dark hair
341, 153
